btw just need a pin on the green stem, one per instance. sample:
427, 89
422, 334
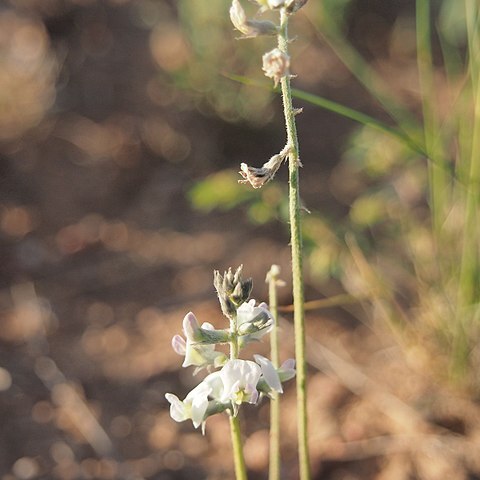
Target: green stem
468, 283
437, 174
297, 267
234, 350
470, 256
237, 445
240, 468
470, 259
274, 466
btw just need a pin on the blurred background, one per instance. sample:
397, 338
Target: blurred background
121, 136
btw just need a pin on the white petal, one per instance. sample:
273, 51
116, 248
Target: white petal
288, 364
207, 326
269, 373
177, 408
190, 326
238, 16
287, 370
215, 383
193, 356
275, 3
236, 375
198, 399
179, 345
252, 393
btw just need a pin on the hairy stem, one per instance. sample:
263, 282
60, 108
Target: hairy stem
297, 264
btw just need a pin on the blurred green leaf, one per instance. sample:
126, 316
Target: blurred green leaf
451, 22
220, 190
368, 210
373, 153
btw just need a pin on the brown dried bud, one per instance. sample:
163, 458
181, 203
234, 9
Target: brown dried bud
258, 177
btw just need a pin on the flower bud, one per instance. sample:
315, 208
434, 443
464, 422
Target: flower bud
192, 328
232, 290
276, 65
257, 324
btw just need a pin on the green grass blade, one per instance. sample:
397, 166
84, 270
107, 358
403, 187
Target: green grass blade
359, 117
341, 110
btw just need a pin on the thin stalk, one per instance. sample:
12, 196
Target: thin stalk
234, 350
240, 468
329, 302
467, 292
469, 253
297, 263
274, 466
472, 20
365, 74
437, 175
360, 117
470, 257
237, 445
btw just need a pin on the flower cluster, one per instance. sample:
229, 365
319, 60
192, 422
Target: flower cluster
238, 381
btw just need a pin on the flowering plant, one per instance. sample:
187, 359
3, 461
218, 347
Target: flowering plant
244, 381
237, 381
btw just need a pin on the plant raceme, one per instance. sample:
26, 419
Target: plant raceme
237, 381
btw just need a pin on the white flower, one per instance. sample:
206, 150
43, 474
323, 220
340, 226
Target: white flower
195, 404
253, 321
240, 378
193, 407
198, 355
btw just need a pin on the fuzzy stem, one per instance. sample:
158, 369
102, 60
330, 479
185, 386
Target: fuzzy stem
274, 465
297, 268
